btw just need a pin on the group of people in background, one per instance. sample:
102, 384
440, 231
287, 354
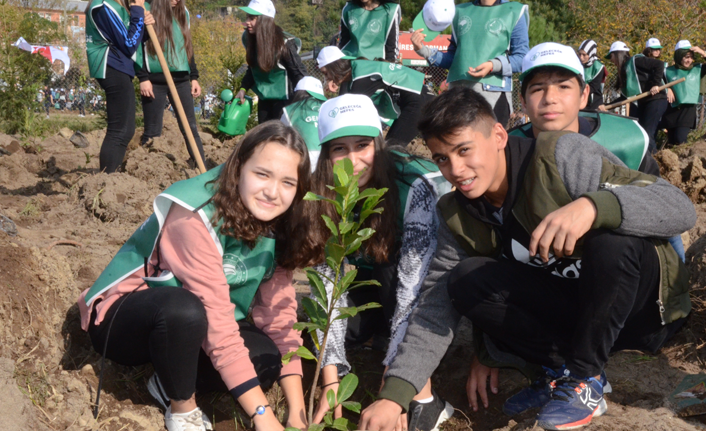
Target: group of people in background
539, 235
72, 99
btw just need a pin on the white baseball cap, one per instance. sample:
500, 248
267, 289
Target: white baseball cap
435, 17
551, 54
329, 54
616, 47
682, 44
653, 43
312, 86
260, 7
348, 115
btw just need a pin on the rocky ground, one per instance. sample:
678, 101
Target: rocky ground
61, 222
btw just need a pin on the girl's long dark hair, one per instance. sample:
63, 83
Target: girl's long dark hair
294, 247
382, 246
163, 14
340, 71
267, 47
622, 58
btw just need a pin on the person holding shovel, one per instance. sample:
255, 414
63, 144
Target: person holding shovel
274, 66
173, 31
113, 35
680, 117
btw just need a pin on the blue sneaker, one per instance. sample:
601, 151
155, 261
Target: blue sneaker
574, 402
533, 396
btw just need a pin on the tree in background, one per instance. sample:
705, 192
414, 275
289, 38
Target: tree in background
217, 47
635, 21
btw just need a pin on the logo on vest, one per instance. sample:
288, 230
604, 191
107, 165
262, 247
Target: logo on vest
464, 25
353, 23
495, 27
332, 113
234, 269
312, 118
375, 26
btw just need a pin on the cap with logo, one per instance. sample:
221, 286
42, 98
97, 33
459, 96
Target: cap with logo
312, 86
551, 54
653, 43
682, 44
435, 17
617, 47
260, 7
348, 115
329, 54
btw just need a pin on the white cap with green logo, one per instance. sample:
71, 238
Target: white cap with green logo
682, 44
551, 54
348, 115
435, 17
653, 43
329, 54
260, 7
312, 86
617, 47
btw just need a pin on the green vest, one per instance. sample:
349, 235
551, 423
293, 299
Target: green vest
304, 117
368, 29
393, 75
177, 59
97, 45
245, 268
483, 33
273, 85
590, 73
410, 171
622, 136
632, 85
687, 92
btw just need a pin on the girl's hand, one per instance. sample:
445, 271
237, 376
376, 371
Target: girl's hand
240, 95
195, 89
417, 39
146, 89
149, 19
267, 422
324, 407
295, 420
670, 96
698, 50
481, 71
654, 90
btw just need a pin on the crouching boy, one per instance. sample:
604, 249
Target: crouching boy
557, 253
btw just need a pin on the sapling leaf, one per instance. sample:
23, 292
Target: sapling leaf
347, 387
335, 252
291, 429
368, 306
367, 213
305, 353
315, 427
346, 312
364, 283
345, 227
348, 279
333, 264
311, 196
354, 246
366, 233
331, 398
287, 357
367, 193
340, 424
307, 326
328, 419
317, 286
315, 311
353, 406
330, 225
340, 172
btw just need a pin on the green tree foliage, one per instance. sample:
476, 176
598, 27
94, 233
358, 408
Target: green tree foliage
22, 74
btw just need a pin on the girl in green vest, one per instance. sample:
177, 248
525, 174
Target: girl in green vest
178, 293
303, 114
594, 73
274, 66
172, 29
680, 117
636, 75
113, 35
398, 92
371, 29
397, 255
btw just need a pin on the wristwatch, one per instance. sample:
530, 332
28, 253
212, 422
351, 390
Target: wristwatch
260, 410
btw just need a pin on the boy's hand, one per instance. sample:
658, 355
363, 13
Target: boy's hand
477, 381
561, 229
417, 39
382, 415
482, 70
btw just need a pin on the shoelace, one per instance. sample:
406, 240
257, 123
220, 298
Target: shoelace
566, 385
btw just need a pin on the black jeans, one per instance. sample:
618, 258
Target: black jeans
502, 110
154, 113
649, 115
678, 135
120, 108
270, 110
375, 321
166, 326
404, 129
552, 321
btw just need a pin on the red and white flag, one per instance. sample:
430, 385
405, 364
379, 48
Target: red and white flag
51, 53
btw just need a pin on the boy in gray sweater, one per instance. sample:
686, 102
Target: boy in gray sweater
555, 251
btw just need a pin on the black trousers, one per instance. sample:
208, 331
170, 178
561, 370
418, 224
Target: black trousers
552, 321
270, 110
153, 110
649, 115
678, 135
502, 110
120, 109
375, 321
166, 326
404, 129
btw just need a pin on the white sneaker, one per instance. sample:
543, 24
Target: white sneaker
191, 421
154, 387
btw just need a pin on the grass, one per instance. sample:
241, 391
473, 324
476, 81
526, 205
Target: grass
31, 209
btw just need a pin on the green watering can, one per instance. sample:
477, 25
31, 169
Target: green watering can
235, 116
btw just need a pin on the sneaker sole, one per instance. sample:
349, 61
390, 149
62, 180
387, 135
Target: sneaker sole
444, 416
599, 411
